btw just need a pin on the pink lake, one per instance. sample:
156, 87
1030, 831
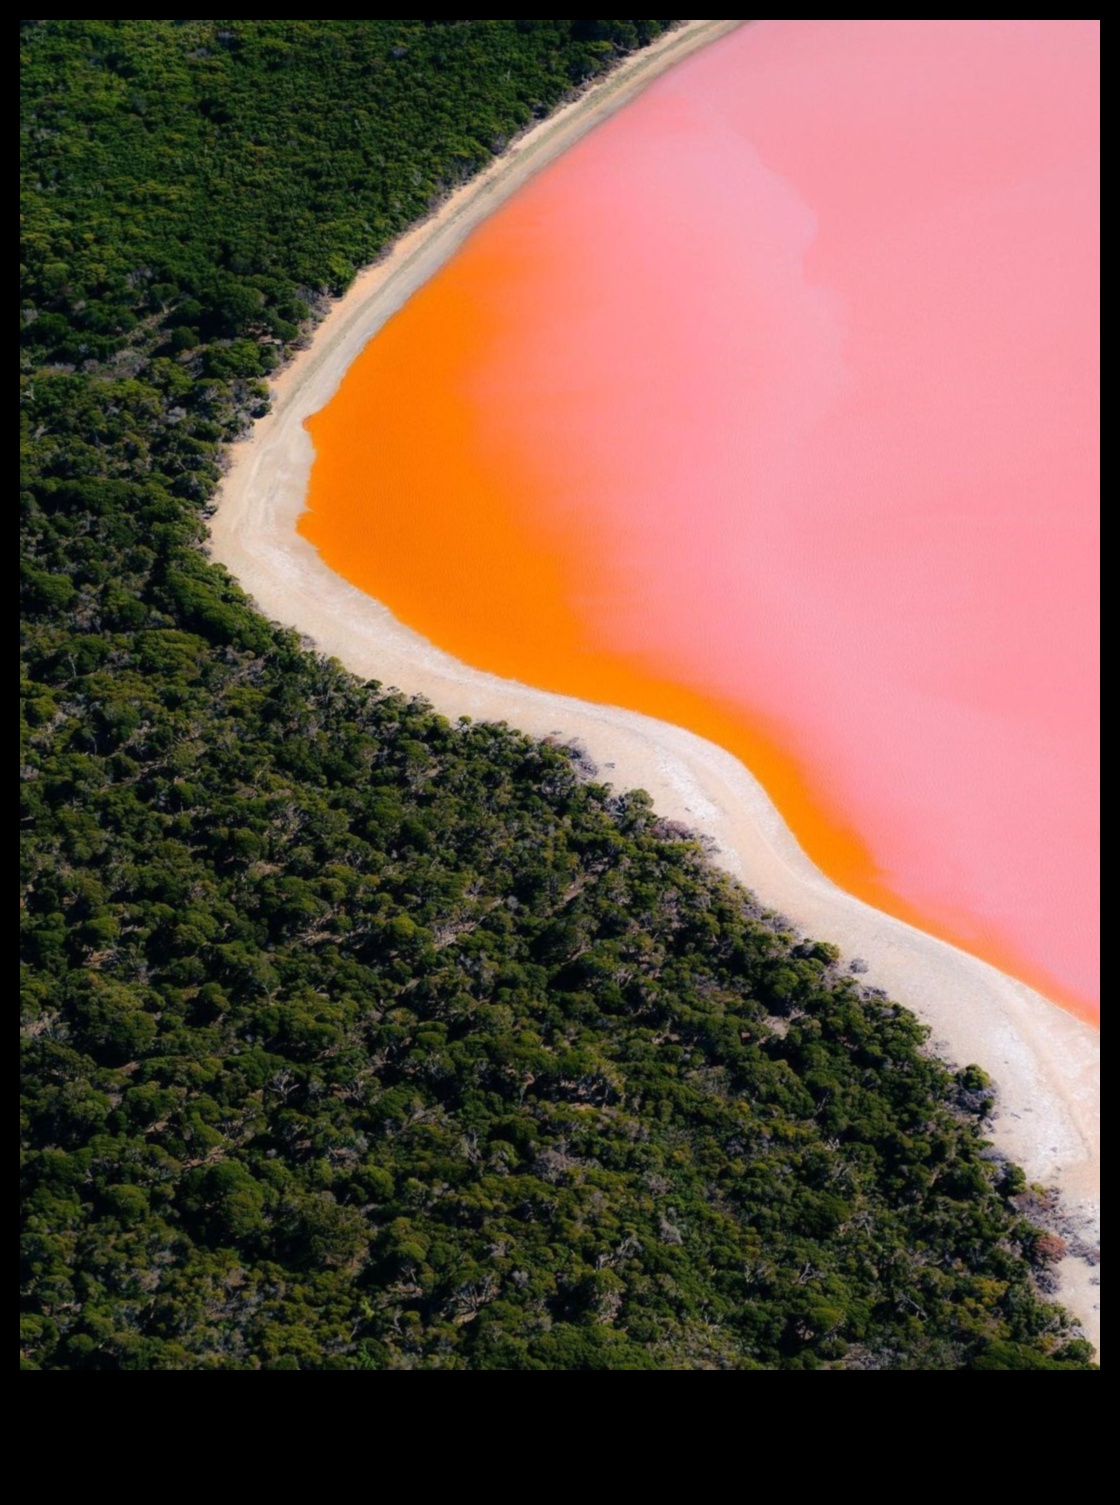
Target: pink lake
792, 370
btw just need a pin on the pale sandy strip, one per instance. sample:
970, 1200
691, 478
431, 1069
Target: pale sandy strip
1046, 1062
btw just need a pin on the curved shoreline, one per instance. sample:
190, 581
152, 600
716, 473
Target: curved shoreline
1045, 1061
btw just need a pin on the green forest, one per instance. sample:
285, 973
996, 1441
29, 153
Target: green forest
353, 1038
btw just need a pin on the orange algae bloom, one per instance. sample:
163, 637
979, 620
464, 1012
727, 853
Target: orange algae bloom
770, 410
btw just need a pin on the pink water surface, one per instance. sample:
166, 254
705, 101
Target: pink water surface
801, 348
814, 325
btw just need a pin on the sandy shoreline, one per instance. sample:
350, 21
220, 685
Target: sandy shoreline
1044, 1061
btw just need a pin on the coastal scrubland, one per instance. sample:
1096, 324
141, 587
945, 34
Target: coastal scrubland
353, 1037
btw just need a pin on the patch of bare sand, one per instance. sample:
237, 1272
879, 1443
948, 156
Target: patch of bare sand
1045, 1061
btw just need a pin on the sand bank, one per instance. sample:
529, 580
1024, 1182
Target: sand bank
1045, 1062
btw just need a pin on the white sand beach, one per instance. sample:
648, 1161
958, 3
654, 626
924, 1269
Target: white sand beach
1045, 1062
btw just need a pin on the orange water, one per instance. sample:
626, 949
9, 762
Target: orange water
769, 410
